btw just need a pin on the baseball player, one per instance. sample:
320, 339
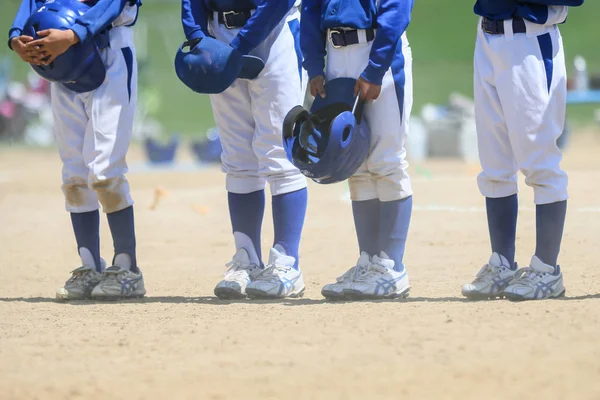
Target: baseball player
249, 116
366, 40
520, 105
93, 130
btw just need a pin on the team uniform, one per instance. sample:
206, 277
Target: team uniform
520, 104
93, 130
249, 116
367, 39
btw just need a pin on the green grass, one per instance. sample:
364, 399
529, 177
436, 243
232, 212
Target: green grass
442, 36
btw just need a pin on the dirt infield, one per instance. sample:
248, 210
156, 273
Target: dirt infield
181, 343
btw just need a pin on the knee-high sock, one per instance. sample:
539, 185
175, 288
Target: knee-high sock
289, 210
394, 220
246, 212
502, 215
549, 224
366, 222
122, 229
86, 227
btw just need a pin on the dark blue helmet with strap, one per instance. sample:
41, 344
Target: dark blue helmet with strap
207, 65
328, 144
80, 68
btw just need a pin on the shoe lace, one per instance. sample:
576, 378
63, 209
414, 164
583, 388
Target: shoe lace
237, 269
365, 272
111, 277
527, 276
273, 272
488, 271
80, 276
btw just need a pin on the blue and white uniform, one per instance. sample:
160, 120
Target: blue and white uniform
520, 85
93, 131
381, 191
249, 116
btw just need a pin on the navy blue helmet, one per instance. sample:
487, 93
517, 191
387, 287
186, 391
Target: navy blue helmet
328, 144
80, 68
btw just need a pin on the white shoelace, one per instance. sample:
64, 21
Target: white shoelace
488, 271
237, 269
273, 273
83, 276
528, 275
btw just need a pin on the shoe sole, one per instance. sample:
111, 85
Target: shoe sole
62, 294
481, 296
333, 296
254, 294
224, 293
117, 298
351, 294
516, 298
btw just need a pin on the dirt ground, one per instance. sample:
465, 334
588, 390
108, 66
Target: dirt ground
180, 342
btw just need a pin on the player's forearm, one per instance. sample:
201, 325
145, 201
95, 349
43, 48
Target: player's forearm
194, 19
393, 18
101, 15
266, 17
312, 38
21, 18
570, 3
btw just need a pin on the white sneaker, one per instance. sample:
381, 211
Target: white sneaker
491, 280
80, 285
240, 273
380, 281
279, 279
119, 283
335, 291
537, 282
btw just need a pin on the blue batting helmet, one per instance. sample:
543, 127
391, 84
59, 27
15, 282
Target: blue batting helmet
328, 144
207, 65
80, 68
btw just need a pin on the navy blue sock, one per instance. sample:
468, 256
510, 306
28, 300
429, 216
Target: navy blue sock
289, 210
549, 225
394, 221
246, 212
122, 229
366, 223
87, 233
502, 215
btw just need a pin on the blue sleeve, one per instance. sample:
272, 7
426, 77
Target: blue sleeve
26, 8
102, 14
266, 17
393, 17
312, 38
194, 19
570, 3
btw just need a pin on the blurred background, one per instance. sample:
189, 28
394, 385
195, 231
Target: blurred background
442, 36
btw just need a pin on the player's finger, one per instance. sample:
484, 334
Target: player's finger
313, 89
357, 88
321, 89
25, 38
45, 32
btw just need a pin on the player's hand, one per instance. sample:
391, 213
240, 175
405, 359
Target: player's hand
317, 85
19, 46
368, 91
53, 43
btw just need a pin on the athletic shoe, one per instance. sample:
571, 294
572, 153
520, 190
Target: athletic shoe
380, 281
537, 282
80, 285
279, 279
119, 283
491, 280
240, 273
335, 291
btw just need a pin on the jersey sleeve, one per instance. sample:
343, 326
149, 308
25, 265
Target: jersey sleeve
97, 18
312, 38
26, 8
266, 17
393, 17
194, 19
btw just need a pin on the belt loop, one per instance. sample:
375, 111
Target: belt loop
362, 36
508, 29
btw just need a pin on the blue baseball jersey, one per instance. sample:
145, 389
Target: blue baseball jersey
391, 19
101, 15
268, 13
532, 10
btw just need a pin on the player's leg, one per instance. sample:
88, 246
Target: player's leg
537, 100
69, 126
110, 109
274, 92
387, 119
498, 179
